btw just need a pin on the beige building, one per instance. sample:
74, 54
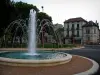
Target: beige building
73, 30
90, 33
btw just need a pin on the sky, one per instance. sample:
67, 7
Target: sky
61, 10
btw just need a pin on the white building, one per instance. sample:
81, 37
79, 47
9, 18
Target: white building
91, 33
73, 30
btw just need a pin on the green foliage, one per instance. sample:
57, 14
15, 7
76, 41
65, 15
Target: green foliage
68, 45
42, 15
56, 46
4, 15
17, 10
49, 45
23, 9
16, 45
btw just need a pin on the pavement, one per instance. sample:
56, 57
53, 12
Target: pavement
90, 51
77, 66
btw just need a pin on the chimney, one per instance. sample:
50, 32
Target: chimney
96, 22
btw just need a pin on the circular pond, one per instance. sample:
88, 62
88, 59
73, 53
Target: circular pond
40, 59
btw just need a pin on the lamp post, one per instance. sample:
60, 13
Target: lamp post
42, 8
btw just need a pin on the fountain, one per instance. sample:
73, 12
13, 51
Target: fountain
33, 57
32, 33
37, 62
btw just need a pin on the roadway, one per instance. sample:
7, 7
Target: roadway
90, 51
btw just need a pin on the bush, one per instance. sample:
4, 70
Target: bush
15, 45
56, 46
46, 45
68, 45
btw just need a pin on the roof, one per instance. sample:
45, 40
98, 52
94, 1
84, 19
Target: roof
78, 19
90, 24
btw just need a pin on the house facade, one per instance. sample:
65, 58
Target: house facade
90, 33
73, 30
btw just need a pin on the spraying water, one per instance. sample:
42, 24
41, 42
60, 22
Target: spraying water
20, 23
32, 33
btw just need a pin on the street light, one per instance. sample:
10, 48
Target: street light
42, 8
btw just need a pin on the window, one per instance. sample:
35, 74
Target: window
72, 26
88, 38
94, 31
77, 26
73, 29
68, 27
77, 33
87, 31
67, 33
68, 30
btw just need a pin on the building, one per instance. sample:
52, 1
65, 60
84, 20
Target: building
57, 26
73, 30
99, 36
90, 33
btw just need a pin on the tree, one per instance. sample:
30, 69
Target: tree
42, 15
4, 15
60, 34
17, 10
23, 9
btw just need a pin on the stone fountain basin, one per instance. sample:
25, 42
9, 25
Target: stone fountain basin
59, 58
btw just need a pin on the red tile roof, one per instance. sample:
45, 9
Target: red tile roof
78, 19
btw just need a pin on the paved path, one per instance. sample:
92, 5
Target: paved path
75, 66
90, 51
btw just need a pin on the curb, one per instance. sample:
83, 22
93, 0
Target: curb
79, 47
42, 48
92, 70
